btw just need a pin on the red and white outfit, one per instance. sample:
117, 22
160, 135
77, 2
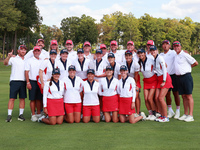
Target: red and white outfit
72, 98
53, 98
150, 78
63, 66
162, 74
81, 69
127, 95
109, 93
91, 99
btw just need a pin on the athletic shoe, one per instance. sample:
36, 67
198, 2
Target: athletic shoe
9, 118
177, 115
183, 117
38, 115
189, 118
170, 114
164, 119
158, 115
40, 119
21, 118
103, 118
152, 118
34, 118
157, 119
143, 116
136, 115
149, 117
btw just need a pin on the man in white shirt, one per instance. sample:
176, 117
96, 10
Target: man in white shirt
72, 55
117, 53
17, 82
104, 52
169, 56
87, 47
149, 43
183, 67
131, 47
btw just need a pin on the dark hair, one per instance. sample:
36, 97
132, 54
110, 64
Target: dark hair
139, 62
50, 83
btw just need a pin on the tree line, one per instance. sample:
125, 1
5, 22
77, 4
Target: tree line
21, 23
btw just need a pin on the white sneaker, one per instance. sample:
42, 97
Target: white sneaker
189, 118
136, 115
170, 114
143, 115
158, 115
158, 118
183, 117
152, 118
149, 117
38, 115
177, 115
40, 119
164, 119
34, 118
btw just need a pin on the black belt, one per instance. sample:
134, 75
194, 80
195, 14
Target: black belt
183, 74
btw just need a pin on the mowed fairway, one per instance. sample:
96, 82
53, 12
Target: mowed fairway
143, 135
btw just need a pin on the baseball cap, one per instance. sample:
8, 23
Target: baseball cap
53, 51
90, 71
111, 55
123, 67
109, 67
153, 47
63, 51
56, 71
177, 43
166, 41
72, 67
69, 42
36, 48
87, 43
150, 42
99, 51
141, 50
113, 43
40, 40
130, 42
128, 52
21, 47
102, 46
80, 50
54, 42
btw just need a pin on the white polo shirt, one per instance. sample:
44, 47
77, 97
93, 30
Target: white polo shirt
118, 56
134, 67
73, 89
52, 92
108, 88
17, 69
183, 62
160, 67
63, 67
147, 67
169, 60
90, 93
81, 69
32, 65
116, 68
72, 55
105, 58
149, 55
128, 88
44, 54
90, 57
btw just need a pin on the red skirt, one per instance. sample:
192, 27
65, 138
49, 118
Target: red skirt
150, 83
138, 82
168, 83
55, 107
125, 106
110, 103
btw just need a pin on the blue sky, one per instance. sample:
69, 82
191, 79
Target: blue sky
53, 11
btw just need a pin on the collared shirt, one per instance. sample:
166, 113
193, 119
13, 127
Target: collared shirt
90, 95
105, 58
134, 67
183, 62
127, 88
116, 68
52, 91
73, 89
44, 54
169, 58
147, 67
17, 69
72, 55
90, 57
32, 65
160, 67
108, 87
63, 67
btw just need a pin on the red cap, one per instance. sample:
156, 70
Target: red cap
113, 43
102, 46
130, 42
69, 42
150, 42
176, 43
87, 43
36, 48
40, 40
54, 42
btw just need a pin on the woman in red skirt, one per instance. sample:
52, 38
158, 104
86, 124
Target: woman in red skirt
108, 87
163, 85
149, 81
53, 100
127, 95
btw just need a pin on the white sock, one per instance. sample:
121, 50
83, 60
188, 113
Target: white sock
170, 107
21, 111
10, 111
177, 108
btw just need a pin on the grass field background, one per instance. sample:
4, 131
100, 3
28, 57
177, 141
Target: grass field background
142, 135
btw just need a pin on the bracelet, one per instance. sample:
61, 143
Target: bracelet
28, 83
164, 81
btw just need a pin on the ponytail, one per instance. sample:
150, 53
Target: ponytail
50, 83
139, 62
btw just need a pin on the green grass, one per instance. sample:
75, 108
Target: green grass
142, 135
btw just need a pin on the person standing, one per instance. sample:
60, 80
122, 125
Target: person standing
149, 43
183, 68
17, 82
117, 53
104, 53
87, 47
72, 55
115, 66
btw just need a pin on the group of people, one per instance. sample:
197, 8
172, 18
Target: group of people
73, 85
